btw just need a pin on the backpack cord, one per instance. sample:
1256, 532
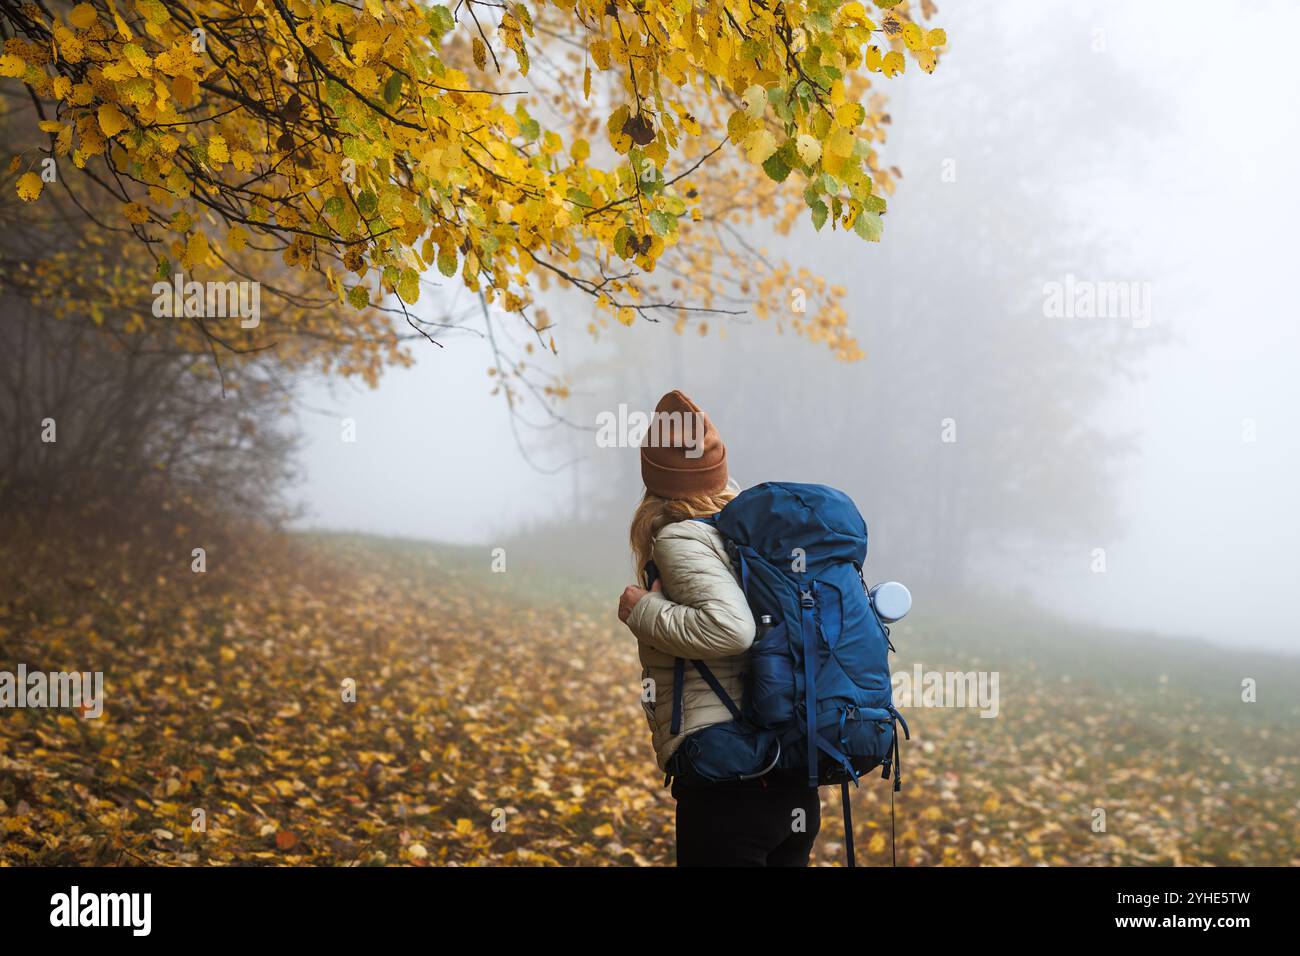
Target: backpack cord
848, 822
893, 833
897, 750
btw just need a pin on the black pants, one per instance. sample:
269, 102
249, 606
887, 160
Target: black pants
746, 825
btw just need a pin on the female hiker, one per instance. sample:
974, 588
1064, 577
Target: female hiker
696, 610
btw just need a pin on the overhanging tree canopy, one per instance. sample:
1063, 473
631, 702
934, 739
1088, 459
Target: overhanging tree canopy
367, 143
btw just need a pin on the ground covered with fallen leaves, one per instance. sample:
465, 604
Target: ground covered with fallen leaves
498, 722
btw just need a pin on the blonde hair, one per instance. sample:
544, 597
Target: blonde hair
653, 514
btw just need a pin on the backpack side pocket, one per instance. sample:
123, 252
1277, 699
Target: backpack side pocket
771, 677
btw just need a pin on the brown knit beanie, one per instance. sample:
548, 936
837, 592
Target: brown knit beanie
681, 454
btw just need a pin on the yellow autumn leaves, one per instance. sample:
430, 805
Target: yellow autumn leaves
796, 73
111, 119
83, 15
480, 702
29, 186
367, 146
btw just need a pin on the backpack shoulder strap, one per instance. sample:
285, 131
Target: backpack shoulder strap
716, 686
679, 666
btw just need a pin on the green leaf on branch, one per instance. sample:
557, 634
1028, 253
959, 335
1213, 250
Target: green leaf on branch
776, 167
819, 212
662, 223
869, 226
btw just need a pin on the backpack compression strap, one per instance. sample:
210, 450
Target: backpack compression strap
808, 626
894, 750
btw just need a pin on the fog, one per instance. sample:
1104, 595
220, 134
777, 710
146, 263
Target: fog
1136, 469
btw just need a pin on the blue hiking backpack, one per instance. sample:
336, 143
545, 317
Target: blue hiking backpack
817, 691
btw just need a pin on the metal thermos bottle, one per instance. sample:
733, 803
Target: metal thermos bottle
891, 600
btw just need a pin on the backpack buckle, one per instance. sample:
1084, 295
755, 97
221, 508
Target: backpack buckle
806, 599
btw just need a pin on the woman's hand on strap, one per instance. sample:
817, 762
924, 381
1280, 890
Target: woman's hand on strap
632, 594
